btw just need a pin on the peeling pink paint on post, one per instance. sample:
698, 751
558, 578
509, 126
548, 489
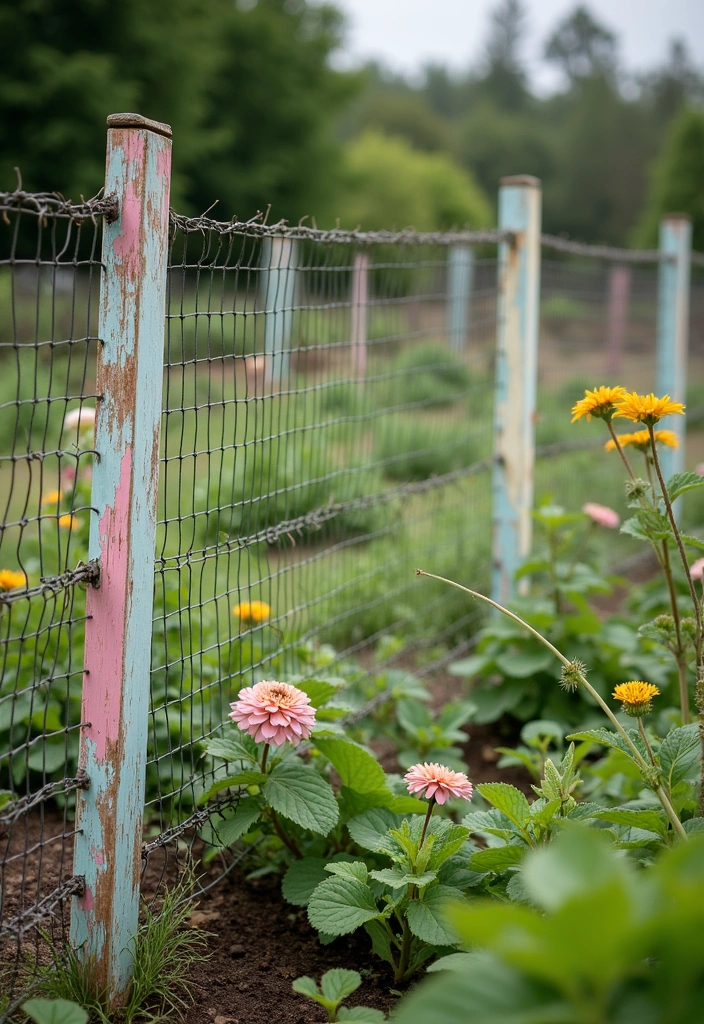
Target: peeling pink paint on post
98, 856
86, 901
126, 246
104, 652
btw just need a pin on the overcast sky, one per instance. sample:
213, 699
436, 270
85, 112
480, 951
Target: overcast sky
405, 34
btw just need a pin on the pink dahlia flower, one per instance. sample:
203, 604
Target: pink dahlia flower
274, 712
435, 780
696, 569
602, 515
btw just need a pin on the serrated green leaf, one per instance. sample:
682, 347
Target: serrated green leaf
497, 858
647, 820
680, 755
229, 831
523, 664
338, 983
349, 869
453, 962
305, 986
302, 878
235, 746
54, 1011
369, 830
692, 542
297, 792
426, 917
507, 799
378, 932
680, 483
357, 768
340, 905
319, 691
396, 878
251, 777
544, 815
611, 739
694, 825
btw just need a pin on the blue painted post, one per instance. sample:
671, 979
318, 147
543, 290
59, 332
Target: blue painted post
673, 326
516, 372
119, 612
279, 256
460, 279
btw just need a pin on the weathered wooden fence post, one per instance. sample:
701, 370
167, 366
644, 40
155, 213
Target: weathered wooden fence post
460, 272
673, 326
358, 326
516, 373
119, 612
279, 257
617, 317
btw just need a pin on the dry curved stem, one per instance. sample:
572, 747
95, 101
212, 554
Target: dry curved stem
637, 756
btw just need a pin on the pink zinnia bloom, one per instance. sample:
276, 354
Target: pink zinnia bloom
696, 569
435, 780
83, 418
602, 515
274, 712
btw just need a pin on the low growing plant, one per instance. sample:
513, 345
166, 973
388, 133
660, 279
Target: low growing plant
335, 986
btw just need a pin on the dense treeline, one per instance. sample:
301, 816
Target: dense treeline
262, 117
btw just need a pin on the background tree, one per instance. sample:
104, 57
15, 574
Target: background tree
582, 47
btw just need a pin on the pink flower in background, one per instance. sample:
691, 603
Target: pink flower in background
602, 515
274, 712
83, 418
435, 780
699, 469
696, 569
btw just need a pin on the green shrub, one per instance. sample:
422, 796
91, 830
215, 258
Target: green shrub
428, 374
415, 449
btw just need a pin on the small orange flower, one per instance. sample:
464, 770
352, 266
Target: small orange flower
52, 498
636, 697
252, 611
601, 402
646, 409
10, 580
641, 440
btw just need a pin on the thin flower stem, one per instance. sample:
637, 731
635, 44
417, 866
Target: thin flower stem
265, 754
644, 737
285, 838
680, 657
425, 823
671, 813
678, 539
620, 450
405, 947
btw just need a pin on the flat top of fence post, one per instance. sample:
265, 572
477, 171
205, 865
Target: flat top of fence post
521, 179
138, 121
677, 216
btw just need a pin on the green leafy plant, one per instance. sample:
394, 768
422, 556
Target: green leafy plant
599, 941
54, 1011
336, 985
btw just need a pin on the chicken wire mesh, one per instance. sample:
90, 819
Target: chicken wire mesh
327, 427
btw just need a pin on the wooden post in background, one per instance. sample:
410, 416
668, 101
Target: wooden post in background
119, 611
617, 317
460, 273
358, 328
279, 256
516, 376
673, 327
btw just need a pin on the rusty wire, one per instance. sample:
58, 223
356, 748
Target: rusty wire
53, 205
603, 252
31, 917
84, 573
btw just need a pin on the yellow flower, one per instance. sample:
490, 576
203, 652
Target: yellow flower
641, 440
252, 611
601, 403
10, 580
646, 409
52, 498
636, 697
69, 520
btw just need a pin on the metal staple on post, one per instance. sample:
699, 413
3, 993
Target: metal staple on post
673, 326
516, 373
104, 918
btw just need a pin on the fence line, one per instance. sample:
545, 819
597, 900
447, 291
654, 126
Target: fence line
326, 427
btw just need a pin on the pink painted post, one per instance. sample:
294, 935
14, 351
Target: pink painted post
360, 290
119, 612
619, 294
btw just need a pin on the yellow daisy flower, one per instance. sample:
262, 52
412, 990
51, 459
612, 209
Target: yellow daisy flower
646, 409
52, 498
641, 440
600, 402
69, 520
636, 697
10, 580
252, 611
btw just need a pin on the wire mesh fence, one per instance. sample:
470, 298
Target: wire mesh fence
327, 427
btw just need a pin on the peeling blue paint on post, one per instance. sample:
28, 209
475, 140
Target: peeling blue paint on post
460, 272
673, 327
279, 257
516, 373
119, 612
